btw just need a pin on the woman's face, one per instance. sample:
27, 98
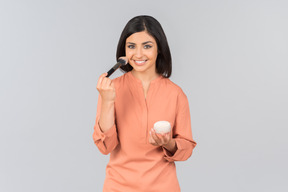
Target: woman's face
141, 51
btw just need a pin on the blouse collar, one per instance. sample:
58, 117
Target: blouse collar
134, 79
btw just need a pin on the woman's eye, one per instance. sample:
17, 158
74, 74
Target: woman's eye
147, 46
131, 46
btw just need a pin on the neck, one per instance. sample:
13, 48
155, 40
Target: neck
145, 77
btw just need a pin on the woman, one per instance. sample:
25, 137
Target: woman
128, 107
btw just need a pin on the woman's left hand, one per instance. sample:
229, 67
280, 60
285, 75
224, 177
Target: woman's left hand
157, 139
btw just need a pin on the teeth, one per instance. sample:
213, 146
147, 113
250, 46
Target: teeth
140, 61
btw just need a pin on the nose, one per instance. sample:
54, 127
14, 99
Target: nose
138, 53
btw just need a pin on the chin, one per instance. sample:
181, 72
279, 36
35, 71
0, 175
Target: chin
138, 70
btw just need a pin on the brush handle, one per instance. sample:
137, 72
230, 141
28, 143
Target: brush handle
116, 66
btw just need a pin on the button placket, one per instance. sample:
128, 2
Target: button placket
143, 132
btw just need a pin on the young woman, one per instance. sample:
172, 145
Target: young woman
142, 160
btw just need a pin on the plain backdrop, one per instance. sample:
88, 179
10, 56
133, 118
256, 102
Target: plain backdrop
229, 57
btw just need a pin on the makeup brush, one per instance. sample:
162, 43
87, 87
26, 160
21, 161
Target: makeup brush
121, 62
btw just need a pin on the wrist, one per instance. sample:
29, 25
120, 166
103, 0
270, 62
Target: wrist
170, 145
107, 102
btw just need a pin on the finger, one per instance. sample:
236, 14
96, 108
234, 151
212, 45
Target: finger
166, 138
100, 80
105, 83
151, 140
112, 84
163, 138
154, 136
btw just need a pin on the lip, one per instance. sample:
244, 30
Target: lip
139, 62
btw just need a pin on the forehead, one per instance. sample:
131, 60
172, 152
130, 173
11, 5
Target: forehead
140, 37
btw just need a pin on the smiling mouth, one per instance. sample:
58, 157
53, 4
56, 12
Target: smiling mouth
140, 62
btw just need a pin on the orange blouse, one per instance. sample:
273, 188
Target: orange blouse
135, 165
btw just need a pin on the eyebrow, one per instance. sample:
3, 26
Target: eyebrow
146, 42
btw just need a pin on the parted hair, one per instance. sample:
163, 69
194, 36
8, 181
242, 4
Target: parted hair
153, 28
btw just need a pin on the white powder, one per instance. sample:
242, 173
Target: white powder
162, 127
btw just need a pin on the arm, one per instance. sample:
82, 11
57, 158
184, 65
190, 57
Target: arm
182, 139
105, 134
107, 117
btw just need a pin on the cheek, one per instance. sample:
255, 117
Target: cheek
153, 54
128, 53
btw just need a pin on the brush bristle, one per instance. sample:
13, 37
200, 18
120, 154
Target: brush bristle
122, 60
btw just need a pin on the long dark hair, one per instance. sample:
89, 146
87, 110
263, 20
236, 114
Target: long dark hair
153, 27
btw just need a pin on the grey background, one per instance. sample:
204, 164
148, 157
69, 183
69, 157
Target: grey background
230, 58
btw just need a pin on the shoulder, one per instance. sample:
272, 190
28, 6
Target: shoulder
118, 81
173, 87
120, 78
181, 97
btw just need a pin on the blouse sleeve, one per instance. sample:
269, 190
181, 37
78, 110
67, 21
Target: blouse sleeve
182, 132
105, 141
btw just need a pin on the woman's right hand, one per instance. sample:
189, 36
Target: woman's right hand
106, 88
